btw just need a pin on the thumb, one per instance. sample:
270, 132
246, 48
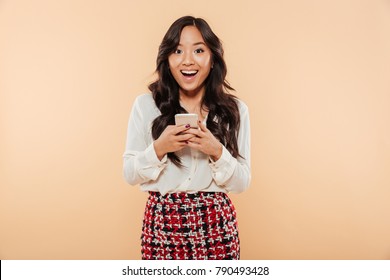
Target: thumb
202, 126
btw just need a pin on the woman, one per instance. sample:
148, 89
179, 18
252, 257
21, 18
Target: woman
189, 171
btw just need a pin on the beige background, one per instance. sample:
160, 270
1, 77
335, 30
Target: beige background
315, 75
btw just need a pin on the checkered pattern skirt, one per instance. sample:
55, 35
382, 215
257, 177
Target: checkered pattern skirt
184, 226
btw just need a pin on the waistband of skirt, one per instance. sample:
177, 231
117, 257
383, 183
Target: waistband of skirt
187, 195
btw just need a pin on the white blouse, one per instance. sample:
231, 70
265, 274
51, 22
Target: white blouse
198, 173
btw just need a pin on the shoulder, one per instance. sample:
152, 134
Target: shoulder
145, 107
145, 102
242, 107
144, 99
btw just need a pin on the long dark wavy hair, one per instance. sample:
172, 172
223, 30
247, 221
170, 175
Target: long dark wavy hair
223, 115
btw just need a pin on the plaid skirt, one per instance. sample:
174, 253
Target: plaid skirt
184, 226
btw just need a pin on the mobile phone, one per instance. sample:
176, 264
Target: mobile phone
183, 119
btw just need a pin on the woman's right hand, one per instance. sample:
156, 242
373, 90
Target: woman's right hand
172, 139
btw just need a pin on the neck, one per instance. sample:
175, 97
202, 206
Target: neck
193, 103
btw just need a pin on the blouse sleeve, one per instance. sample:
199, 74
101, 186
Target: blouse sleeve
140, 162
234, 174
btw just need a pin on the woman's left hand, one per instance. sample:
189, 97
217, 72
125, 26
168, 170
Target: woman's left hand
205, 141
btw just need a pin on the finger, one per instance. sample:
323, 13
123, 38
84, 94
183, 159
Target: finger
193, 144
185, 137
195, 139
202, 126
181, 128
193, 131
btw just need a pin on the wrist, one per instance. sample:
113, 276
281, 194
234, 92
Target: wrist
159, 153
218, 153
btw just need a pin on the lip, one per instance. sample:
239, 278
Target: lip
189, 78
189, 71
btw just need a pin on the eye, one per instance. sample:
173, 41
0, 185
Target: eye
177, 51
199, 51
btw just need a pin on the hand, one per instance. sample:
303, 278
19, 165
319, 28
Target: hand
205, 141
172, 139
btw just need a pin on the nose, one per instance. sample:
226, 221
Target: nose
188, 59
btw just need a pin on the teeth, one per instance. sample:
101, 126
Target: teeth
192, 72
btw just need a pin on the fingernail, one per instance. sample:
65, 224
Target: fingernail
187, 126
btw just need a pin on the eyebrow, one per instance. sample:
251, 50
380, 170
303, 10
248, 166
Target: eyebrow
195, 44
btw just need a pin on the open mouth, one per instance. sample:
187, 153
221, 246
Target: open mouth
189, 73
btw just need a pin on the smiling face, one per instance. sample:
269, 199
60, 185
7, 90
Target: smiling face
190, 63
